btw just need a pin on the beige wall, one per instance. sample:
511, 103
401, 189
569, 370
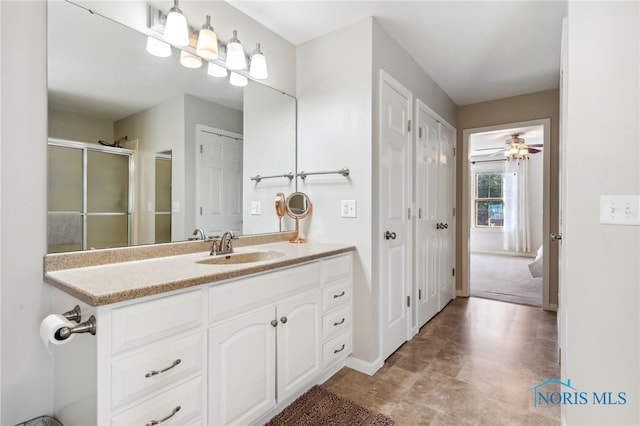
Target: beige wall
510, 110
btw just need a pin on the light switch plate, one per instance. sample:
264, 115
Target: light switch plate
256, 208
620, 209
348, 208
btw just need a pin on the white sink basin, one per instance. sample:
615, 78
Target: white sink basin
241, 257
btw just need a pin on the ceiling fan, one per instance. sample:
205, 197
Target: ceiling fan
515, 148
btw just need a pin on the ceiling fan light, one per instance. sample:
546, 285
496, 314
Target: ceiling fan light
158, 48
235, 54
216, 70
188, 60
176, 30
258, 65
207, 41
238, 80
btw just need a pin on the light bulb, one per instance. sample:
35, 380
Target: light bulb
158, 48
190, 61
176, 30
216, 70
235, 55
238, 80
207, 41
258, 65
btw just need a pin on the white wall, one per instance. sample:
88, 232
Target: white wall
269, 150
334, 131
26, 368
75, 127
602, 348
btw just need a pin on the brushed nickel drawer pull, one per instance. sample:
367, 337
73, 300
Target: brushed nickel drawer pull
339, 350
154, 372
338, 323
335, 296
157, 422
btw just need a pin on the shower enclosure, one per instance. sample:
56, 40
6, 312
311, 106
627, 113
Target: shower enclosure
90, 200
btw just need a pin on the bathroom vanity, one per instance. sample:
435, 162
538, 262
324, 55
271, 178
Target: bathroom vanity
182, 340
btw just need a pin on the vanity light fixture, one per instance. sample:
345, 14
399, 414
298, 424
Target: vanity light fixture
235, 55
207, 47
258, 64
176, 30
237, 79
158, 47
190, 61
216, 70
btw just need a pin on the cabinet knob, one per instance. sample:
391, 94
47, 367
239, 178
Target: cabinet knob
284, 320
274, 323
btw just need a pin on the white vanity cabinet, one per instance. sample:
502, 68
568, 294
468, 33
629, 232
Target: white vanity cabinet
231, 352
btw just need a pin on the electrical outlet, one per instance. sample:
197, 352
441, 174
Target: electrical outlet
256, 208
348, 208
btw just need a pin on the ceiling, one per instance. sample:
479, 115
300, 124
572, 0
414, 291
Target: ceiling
475, 51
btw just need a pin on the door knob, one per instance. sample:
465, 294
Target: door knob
390, 235
555, 237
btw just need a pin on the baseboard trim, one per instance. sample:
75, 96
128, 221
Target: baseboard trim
365, 367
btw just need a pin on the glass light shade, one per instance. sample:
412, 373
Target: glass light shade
207, 41
158, 48
216, 70
190, 61
235, 54
238, 80
176, 30
258, 66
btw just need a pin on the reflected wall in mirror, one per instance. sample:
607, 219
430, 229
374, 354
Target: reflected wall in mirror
103, 86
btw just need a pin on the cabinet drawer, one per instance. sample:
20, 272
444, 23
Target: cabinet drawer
336, 349
336, 322
336, 295
146, 322
134, 377
236, 297
184, 400
336, 268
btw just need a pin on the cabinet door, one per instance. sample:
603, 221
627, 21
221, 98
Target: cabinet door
242, 368
299, 332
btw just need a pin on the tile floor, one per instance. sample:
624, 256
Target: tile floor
472, 364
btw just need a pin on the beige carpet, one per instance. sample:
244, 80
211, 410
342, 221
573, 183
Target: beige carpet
505, 278
319, 407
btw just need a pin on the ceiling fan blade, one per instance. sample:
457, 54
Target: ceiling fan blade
534, 150
538, 145
488, 149
496, 153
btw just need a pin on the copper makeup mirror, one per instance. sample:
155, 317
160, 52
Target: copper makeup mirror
298, 206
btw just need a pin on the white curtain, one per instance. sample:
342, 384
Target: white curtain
516, 207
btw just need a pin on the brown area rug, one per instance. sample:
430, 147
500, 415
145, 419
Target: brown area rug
320, 407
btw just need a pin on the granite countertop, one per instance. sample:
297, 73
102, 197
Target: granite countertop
105, 284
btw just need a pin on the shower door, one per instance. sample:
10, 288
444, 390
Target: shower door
89, 196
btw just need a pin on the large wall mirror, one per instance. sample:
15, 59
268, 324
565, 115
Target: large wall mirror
185, 143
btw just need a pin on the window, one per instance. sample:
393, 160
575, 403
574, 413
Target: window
488, 200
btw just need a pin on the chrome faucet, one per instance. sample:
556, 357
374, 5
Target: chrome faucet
200, 234
224, 246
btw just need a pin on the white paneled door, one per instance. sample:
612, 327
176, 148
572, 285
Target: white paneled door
219, 181
394, 230
435, 195
427, 230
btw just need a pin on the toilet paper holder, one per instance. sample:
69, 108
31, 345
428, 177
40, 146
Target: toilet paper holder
75, 314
